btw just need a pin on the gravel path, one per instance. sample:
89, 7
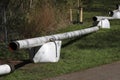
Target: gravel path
105, 72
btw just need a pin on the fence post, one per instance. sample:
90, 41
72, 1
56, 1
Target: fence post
81, 15
71, 16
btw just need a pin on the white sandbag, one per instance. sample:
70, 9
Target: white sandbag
104, 23
49, 52
116, 14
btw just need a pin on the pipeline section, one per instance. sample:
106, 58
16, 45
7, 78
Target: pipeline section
34, 42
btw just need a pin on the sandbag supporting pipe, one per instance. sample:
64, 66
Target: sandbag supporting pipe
34, 42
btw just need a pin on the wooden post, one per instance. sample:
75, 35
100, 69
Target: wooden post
71, 16
81, 15
31, 1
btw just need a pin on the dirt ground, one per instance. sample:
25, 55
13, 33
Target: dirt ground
105, 72
14, 62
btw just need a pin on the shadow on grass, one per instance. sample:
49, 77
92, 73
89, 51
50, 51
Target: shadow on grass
23, 63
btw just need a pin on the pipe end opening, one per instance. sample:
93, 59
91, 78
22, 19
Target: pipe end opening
94, 18
13, 46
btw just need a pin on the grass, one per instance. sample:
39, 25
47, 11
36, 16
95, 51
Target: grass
77, 54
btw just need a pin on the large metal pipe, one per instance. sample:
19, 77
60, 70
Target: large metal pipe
98, 18
33, 42
6, 69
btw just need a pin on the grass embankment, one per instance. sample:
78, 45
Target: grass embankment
77, 54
